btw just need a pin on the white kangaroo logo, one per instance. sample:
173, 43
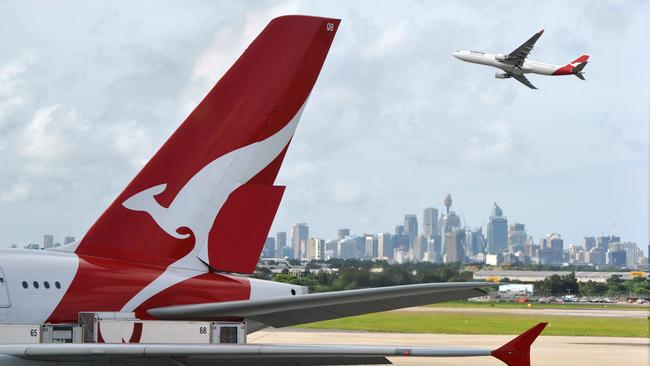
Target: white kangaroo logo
198, 203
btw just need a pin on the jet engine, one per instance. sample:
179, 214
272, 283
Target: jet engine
501, 75
501, 57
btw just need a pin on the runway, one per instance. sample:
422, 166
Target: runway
546, 351
608, 313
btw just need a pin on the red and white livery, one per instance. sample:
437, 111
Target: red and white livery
515, 64
180, 240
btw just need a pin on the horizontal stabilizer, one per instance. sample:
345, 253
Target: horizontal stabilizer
579, 67
293, 310
514, 353
517, 351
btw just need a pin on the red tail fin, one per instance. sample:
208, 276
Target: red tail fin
580, 59
237, 136
517, 351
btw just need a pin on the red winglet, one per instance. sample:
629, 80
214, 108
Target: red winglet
517, 351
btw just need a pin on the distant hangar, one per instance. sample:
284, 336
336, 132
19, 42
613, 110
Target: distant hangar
533, 276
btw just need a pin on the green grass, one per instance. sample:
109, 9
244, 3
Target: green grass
464, 323
514, 305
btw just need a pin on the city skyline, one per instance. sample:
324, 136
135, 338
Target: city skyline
445, 239
345, 230
394, 122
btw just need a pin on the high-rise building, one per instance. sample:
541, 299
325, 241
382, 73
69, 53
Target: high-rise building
448, 222
454, 246
68, 240
399, 229
411, 226
602, 242
497, 231
473, 241
420, 246
299, 237
269, 248
48, 241
596, 256
616, 258
551, 249
430, 222
385, 245
280, 241
435, 249
371, 247
286, 252
400, 239
342, 233
632, 253
517, 237
331, 249
588, 242
315, 249
348, 248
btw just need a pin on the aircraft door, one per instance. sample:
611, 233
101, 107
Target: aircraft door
4, 292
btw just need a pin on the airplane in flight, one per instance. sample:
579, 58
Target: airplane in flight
515, 64
181, 239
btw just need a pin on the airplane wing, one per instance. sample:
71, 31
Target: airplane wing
522, 79
513, 353
519, 55
292, 310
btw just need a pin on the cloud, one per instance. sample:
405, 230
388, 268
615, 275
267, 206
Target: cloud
17, 192
393, 124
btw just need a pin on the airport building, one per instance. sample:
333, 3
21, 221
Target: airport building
533, 276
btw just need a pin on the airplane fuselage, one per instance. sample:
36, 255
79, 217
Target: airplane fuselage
39, 286
500, 62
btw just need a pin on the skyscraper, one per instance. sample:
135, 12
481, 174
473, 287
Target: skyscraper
454, 246
602, 242
342, 233
411, 226
315, 249
371, 247
551, 249
68, 239
269, 248
385, 245
473, 241
299, 237
517, 237
430, 222
588, 242
497, 231
48, 241
280, 241
420, 246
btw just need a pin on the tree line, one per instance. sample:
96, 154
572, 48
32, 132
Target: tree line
355, 273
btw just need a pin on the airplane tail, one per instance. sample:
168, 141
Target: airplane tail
209, 191
582, 58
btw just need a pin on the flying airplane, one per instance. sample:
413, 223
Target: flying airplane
515, 64
180, 240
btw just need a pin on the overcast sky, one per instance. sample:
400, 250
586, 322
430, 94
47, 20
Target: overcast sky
90, 89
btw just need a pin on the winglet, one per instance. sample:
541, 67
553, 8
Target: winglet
517, 351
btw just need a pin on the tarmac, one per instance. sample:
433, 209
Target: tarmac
546, 351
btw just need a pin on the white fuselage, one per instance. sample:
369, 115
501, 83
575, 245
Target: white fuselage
35, 283
491, 59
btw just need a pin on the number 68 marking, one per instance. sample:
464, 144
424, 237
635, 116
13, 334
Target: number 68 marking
330, 27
